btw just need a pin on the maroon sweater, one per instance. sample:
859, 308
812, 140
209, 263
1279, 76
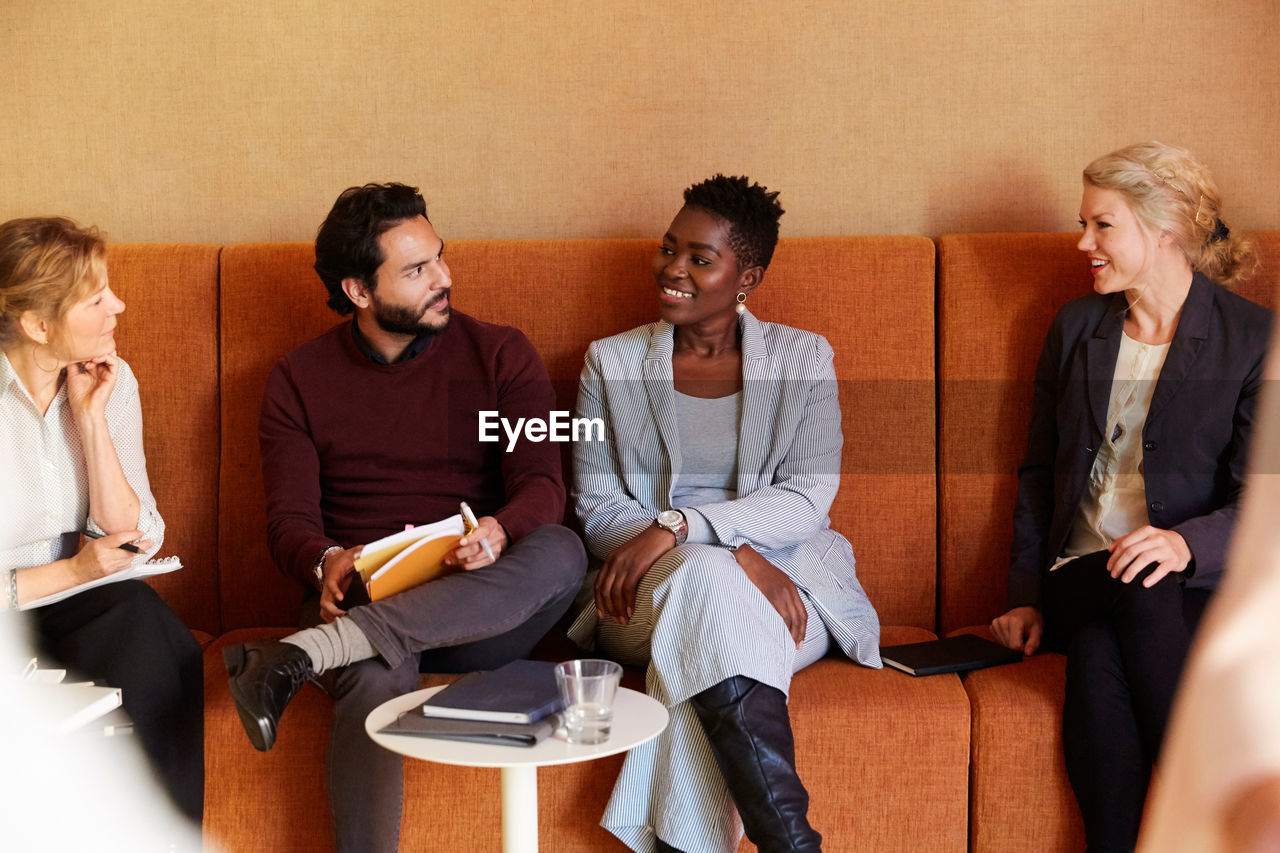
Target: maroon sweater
353, 450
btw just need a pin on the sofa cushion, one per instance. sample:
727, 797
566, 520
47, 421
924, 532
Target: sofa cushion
1019, 795
169, 335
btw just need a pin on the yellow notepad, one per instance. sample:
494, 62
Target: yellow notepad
403, 560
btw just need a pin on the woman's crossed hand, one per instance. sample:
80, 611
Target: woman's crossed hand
778, 588
624, 567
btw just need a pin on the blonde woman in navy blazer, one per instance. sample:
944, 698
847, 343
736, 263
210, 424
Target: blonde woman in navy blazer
728, 594
1124, 510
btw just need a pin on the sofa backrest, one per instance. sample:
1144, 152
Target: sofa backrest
997, 294
169, 336
871, 296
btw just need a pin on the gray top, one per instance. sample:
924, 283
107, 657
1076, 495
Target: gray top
709, 454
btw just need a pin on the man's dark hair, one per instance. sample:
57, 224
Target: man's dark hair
347, 242
751, 211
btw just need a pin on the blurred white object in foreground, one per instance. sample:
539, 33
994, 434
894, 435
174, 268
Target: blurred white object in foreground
1218, 779
76, 790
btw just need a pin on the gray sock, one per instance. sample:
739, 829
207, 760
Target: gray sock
336, 643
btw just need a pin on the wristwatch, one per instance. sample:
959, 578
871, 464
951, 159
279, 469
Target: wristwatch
673, 520
318, 568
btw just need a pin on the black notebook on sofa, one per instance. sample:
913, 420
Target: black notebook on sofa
952, 654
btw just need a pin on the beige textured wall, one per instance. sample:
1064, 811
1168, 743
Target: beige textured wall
234, 120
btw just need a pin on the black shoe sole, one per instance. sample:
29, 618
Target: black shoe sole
260, 731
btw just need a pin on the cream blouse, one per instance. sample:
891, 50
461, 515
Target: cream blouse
1116, 503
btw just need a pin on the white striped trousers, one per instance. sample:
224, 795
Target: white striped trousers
698, 620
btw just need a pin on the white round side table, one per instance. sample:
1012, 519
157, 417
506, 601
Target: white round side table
636, 719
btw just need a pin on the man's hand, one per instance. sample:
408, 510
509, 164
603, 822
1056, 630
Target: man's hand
470, 553
1133, 552
1021, 628
778, 588
625, 566
101, 557
338, 567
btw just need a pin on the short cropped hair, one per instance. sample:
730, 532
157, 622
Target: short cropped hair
347, 242
751, 211
1168, 189
47, 264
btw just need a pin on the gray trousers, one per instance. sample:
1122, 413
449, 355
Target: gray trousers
466, 621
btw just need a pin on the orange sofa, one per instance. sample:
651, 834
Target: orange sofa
893, 763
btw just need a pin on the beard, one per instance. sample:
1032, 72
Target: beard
397, 319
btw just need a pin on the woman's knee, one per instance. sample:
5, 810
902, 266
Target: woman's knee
123, 599
701, 561
1160, 601
696, 572
150, 619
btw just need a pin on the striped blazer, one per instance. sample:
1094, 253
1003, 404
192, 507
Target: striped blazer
789, 443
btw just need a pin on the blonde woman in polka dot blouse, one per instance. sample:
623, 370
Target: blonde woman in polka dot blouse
74, 489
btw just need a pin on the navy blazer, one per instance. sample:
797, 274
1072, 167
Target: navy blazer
1194, 440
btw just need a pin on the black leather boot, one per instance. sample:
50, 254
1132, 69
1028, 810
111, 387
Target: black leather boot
264, 676
750, 734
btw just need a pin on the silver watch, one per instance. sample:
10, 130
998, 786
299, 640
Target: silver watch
674, 521
318, 568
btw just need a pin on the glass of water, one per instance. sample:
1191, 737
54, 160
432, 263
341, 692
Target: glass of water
588, 687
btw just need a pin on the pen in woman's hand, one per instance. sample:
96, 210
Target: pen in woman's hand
127, 546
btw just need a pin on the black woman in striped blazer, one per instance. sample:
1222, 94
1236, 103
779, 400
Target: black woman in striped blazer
706, 510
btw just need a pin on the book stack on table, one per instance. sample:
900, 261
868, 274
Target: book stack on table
515, 705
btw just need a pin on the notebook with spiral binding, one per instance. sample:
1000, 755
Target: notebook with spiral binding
137, 570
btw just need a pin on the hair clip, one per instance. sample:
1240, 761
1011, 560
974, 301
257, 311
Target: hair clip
1203, 218
1220, 232
1166, 178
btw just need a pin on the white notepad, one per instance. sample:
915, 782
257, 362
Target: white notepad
137, 570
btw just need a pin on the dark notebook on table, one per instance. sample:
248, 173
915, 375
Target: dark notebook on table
953, 654
523, 691
412, 722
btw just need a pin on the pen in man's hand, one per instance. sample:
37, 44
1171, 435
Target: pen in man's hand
128, 546
470, 518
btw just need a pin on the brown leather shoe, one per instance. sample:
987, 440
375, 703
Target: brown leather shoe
264, 675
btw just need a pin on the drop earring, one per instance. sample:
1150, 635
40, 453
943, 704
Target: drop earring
742, 298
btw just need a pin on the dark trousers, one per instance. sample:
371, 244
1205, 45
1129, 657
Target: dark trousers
1125, 646
472, 620
123, 635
